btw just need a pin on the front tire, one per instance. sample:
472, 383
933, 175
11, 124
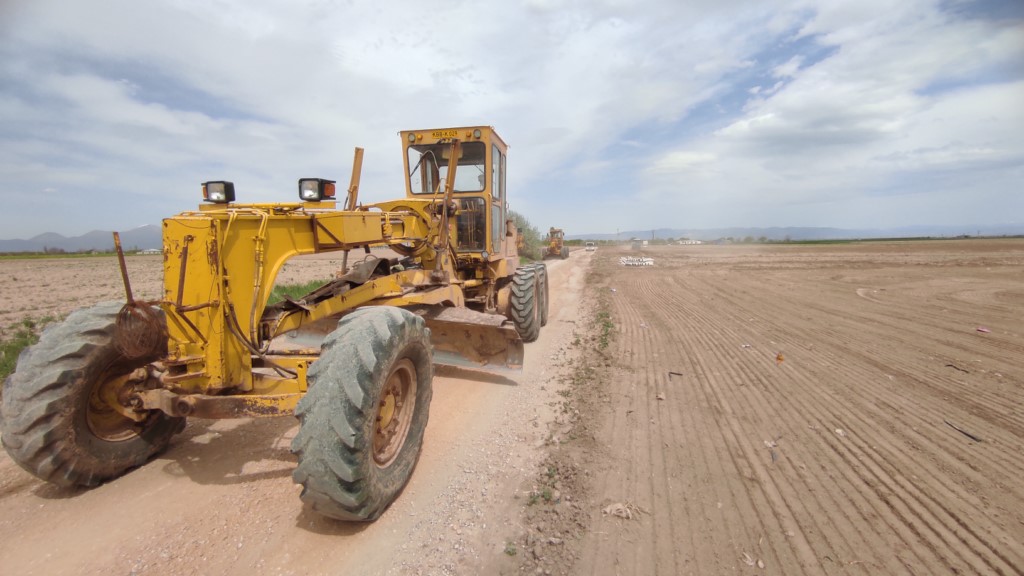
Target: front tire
58, 422
524, 308
543, 292
363, 418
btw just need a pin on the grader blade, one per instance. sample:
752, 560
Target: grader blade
468, 339
460, 337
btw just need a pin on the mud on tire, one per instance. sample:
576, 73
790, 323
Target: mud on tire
543, 291
524, 307
55, 423
363, 418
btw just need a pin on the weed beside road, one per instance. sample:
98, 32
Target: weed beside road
17, 338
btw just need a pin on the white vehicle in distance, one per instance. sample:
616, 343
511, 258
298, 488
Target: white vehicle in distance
591, 246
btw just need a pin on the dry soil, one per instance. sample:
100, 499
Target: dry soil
787, 409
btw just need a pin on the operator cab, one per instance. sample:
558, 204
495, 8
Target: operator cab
479, 185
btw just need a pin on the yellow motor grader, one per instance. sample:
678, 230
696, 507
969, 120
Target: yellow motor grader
105, 390
556, 247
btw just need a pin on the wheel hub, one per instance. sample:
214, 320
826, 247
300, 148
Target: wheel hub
394, 413
108, 415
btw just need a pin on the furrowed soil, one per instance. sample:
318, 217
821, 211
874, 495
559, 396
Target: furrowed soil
781, 409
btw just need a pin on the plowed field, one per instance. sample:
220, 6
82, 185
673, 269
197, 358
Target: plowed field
821, 409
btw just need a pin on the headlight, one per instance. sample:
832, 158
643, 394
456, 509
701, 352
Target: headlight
219, 192
315, 189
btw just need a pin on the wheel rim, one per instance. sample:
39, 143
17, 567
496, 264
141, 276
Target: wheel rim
395, 411
104, 420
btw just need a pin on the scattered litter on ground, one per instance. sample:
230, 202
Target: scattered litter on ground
671, 374
660, 396
745, 346
983, 329
636, 261
955, 367
841, 433
772, 445
962, 431
779, 358
626, 511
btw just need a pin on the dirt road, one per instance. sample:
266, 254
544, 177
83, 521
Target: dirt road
221, 499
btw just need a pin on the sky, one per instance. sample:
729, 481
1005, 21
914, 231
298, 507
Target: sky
620, 114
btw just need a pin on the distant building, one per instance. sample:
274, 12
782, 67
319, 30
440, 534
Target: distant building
151, 251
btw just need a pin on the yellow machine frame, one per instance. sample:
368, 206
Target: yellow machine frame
220, 264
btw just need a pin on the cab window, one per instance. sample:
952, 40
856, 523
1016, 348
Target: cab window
428, 167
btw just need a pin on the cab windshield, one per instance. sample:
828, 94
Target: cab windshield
428, 167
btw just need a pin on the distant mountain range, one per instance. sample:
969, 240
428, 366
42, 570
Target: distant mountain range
146, 237
796, 233
140, 238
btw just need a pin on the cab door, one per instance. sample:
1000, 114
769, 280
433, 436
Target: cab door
497, 199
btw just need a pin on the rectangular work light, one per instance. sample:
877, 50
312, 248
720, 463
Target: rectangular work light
219, 191
316, 189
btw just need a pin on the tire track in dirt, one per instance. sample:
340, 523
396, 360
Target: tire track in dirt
881, 359
878, 513
710, 445
740, 376
920, 502
931, 503
922, 412
716, 386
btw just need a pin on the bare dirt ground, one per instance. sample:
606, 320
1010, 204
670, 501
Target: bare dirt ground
832, 409
822, 409
221, 499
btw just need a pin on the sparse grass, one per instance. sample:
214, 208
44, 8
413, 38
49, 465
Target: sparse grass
294, 291
510, 548
25, 334
605, 325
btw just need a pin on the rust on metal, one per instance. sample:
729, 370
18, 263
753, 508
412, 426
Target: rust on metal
124, 268
181, 273
139, 329
219, 407
468, 339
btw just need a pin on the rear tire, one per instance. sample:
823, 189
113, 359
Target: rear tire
565, 252
363, 418
523, 309
57, 423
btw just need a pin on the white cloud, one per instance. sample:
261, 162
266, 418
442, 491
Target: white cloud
680, 161
789, 69
773, 112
